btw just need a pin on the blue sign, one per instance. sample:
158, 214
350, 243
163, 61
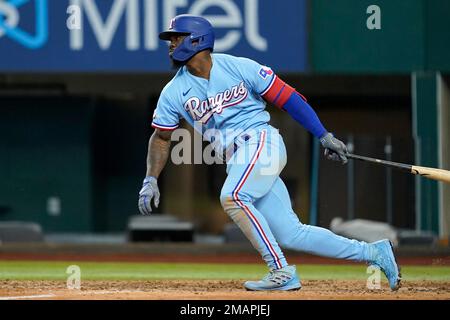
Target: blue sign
122, 35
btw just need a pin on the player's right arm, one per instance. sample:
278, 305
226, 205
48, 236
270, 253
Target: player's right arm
165, 120
157, 155
158, 152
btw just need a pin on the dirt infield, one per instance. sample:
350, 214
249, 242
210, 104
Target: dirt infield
217, 290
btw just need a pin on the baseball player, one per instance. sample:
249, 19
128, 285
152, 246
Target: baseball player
229, 94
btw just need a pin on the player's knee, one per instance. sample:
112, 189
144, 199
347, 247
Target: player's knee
226, 200
292, 235
233, 200
286, 243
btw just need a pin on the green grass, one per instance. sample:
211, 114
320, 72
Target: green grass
49, 270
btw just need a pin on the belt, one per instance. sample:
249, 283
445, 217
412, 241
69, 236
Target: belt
232, 148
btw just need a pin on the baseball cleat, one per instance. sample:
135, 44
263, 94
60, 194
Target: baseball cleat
284, 279
385, 260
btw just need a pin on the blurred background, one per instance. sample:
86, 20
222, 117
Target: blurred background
80, 79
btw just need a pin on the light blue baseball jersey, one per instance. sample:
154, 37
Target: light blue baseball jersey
230, 101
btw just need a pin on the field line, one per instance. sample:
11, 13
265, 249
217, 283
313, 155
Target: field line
28, 297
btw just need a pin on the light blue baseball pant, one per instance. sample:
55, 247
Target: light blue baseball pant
256, 199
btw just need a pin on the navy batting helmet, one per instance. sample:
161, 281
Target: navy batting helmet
199, 32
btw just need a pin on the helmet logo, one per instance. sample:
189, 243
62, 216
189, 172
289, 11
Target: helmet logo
172, 24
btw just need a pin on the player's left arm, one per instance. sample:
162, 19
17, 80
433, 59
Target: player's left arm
288, 99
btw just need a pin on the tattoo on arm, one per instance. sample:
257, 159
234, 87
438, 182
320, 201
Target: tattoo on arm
158, 152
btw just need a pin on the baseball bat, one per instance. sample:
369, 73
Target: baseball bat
426, 172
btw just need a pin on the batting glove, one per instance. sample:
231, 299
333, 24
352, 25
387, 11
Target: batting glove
148, 192
335, 149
